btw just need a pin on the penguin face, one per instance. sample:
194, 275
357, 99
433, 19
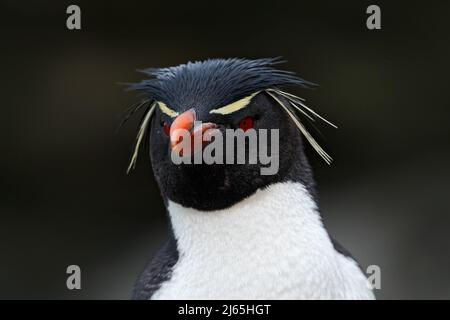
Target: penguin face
223, 94
217, 186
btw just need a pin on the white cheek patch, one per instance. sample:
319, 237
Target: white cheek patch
235, 106
166, 110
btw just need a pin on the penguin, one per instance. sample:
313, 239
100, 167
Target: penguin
234, 233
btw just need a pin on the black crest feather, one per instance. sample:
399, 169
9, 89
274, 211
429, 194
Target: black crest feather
213, 83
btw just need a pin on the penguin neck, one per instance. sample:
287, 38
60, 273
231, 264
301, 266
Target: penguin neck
281, 213
271, 245
252, 249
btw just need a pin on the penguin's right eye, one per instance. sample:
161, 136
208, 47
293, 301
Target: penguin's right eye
246, 123
166, 128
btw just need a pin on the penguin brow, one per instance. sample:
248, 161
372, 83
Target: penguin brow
166, 110
296, 104
235, 106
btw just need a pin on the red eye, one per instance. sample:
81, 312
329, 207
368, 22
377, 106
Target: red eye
166, 128
246, 123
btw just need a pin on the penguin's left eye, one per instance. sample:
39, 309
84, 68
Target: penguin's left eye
166, 128
246, 123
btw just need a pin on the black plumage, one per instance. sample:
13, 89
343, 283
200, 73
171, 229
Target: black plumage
213, 83
209, 85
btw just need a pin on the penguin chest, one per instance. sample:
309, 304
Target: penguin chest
271, 245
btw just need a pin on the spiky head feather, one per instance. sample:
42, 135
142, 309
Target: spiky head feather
213, 83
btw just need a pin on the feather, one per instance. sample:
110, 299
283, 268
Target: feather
213, 83
142, 129
130, 111
300, 126
296, 101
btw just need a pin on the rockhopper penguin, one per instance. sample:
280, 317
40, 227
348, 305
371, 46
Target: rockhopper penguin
234, 233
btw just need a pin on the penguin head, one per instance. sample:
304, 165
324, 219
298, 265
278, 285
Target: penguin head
217, 97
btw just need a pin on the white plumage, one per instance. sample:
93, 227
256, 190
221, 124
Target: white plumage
271, 245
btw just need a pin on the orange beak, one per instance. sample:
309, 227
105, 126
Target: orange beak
185, 121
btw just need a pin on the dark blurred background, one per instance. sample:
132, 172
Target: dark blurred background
64, 195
